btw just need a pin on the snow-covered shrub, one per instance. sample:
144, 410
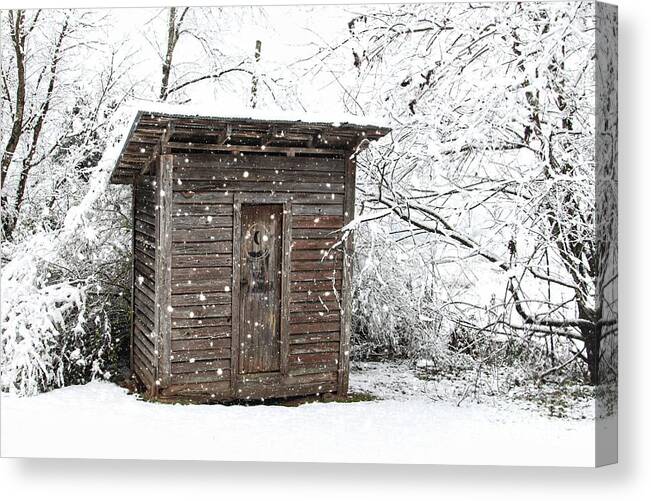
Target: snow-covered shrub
52, 333
396, 298
64, 285
408, 303
56, 312
62, 292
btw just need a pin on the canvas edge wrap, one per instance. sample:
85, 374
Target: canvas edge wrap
606, 202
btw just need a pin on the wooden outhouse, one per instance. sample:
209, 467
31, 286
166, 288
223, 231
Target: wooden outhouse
241, 281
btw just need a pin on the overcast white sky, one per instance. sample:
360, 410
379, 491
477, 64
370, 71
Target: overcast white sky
288, 33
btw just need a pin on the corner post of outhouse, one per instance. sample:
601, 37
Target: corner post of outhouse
164, 269
346, 310
132, 278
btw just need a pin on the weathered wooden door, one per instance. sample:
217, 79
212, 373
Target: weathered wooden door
260, 287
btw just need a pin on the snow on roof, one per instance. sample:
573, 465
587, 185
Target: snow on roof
212, 111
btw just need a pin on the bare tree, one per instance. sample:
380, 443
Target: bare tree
213, 63
28, 160
18, 34
48, 89
174, 30
492, 155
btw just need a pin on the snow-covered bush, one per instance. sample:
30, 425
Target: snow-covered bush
396, 301
64, 276
52, 334
58, 305
407, 304
62, 292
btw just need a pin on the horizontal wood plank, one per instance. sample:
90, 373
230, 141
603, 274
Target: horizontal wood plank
321, 286
316, 337
209, 332
221, 374
201, 222
200, 366
301, 349
317, 222
202, 210
201, 355
315, 316
211, 161
199, 344
255, 186
206, 311
202, 261
202, 235
314, 275
201, 286
198, 299
317, 210
211, 273
180, 323
309, 328
194, 248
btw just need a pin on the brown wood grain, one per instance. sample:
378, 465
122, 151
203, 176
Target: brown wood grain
318, 221
164, 267
200, 344
202, 235
204, 273
196, 331
309, 328
260, 287
201, 248
201, 355
199, 366
213, 307
346, 312
202, 261
199, 299
299, 164
180, 323
253, 186
191, 209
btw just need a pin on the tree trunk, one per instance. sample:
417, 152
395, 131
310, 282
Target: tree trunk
11, 217
254, 78
173, 32
167, 62
592, 340
18, 42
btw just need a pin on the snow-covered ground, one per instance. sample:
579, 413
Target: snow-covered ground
412, 421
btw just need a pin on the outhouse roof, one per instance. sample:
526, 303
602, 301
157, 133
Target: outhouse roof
193, 129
